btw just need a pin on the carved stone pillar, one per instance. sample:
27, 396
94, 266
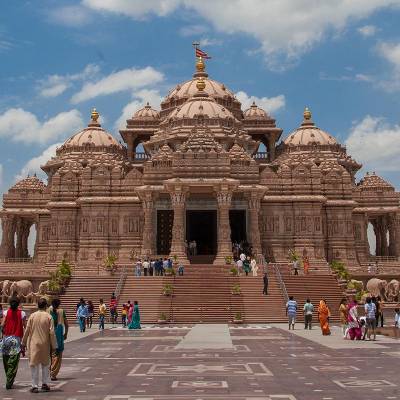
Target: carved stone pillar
383, 229
254, 213
377, 232
19, 227
129, 141
7, 248
148, 229
224, 200
178, 200
392, 235
26, 227
271, 148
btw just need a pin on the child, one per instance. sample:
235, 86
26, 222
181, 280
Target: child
124, 314
363, 326
397, 322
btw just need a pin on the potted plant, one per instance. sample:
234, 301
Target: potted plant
236, 290
109, 263
54, 286
168, 289
162, 318
170, 271
238, 319
234, 271
228, 260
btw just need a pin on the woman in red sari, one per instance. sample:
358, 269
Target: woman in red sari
323, 316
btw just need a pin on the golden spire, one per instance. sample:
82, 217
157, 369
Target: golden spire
200, 84
94, 115
200, 66
307, 114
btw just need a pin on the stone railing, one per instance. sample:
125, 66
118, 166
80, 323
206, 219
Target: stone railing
16, 260
281, 282
261, 156
121, 282
140, 157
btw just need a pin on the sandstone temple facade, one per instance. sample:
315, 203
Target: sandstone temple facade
200, 175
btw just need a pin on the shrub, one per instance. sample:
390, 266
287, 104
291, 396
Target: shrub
228, 260
168, 289
163, 317
236, 289
238, 316
234, 271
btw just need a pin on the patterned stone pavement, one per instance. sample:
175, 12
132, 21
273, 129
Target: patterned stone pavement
265, 363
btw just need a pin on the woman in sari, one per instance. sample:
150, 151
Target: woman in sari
353, 324
306, 265
13, 330
323, 316
343, 313
135, 321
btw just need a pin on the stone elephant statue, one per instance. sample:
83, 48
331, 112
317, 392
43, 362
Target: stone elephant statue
5, 290
21, 288
393, 290
377, 287
43, 287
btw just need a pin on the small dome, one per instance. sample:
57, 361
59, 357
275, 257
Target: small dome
147, 112
255, 112
32, 183
373, 181
308, 133
94, 136
197, 106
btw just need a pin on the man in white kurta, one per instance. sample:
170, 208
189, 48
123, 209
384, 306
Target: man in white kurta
40, 339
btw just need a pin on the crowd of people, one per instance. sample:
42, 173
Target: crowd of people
156, 267
130, 314
354, 326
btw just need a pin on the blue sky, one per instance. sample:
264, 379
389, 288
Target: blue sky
61, 58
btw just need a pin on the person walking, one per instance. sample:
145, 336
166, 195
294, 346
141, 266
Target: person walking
124, 315
90, 308
353, 322
14, 321
82, 315
370, 313
254, 266
146, 266
135, 320
296, 267
323, 315
151, 268
246, 266
113, 309
138, 268
102, 314
343, 314
306, 265
265, 280
40, 339
60, 323
308, 310
291, 310
181, 269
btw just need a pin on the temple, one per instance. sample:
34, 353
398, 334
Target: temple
193, 170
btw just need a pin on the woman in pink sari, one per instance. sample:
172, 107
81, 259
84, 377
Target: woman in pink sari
353, 324
130, 313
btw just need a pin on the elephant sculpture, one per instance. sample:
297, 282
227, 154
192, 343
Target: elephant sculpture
21, 288
377, 287
5, 290
393, 290
43, 287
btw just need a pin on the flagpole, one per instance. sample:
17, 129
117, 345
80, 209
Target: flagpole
195, 45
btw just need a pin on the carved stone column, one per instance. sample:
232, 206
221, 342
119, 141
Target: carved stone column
7, 248
148, 229
178, 200
19, 227
224, 200
254, 213
383, 229
26, 227
271, 148
130, 148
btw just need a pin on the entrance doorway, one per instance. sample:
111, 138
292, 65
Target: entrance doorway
237, 220
165, 220
201, 226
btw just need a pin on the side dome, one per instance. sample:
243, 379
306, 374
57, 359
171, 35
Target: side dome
30, 183
93, 138
255, 112
308, 134
147, 113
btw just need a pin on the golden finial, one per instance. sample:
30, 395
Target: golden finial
200, 84
307, 114
200, 66
95, 115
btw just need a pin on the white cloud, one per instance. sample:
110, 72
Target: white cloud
33, 165
285, 29
74, 16
54, 85
140, 98
206, 41
367, 30
126, 79
137, 9
375, 143
23, 126
193, 30
269, 104
390, 52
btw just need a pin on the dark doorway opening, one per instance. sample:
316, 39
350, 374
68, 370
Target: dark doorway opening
237, 220
165, 221
201, 226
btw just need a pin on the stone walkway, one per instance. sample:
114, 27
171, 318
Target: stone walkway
264, 363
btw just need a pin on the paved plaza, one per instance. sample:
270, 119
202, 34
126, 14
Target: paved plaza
249, 362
